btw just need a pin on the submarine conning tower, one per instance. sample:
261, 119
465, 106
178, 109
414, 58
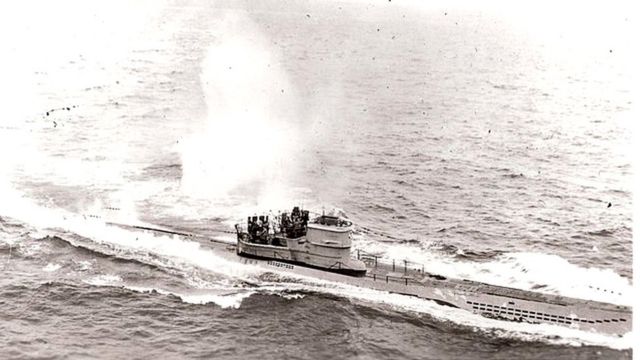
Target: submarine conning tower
323, 242
328, 241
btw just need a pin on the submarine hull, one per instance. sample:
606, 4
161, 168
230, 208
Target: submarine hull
488, 300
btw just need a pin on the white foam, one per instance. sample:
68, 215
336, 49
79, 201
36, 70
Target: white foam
104, 280
51, 267
291, 296
83, 265
11, 241
231, 300
170, 247
222, 297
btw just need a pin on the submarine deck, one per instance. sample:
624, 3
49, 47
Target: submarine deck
414, 274
488, 300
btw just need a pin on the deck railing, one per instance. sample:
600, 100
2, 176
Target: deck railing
405, 266
402, 271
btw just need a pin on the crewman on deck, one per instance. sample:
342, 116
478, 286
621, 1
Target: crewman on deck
261, 235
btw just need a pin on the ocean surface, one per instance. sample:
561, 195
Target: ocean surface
486, 143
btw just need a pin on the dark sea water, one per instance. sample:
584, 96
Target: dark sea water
475, 141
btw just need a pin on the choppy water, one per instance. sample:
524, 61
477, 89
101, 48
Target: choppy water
463, 138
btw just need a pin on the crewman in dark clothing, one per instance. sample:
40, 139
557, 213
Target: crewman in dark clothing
286, 224
261, 234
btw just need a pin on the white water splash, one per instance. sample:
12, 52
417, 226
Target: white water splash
51, 267
104, 280
249, 141
232, 300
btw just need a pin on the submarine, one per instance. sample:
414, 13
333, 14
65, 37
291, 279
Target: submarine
320, 247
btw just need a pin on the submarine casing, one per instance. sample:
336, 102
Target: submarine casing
498, 302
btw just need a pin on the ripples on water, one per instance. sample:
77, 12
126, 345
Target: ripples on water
461, 140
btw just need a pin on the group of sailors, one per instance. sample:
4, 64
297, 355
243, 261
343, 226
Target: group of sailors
258, 228
293, 225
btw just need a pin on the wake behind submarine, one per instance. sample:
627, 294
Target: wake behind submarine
320, 247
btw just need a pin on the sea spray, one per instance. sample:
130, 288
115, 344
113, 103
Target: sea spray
250, 139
